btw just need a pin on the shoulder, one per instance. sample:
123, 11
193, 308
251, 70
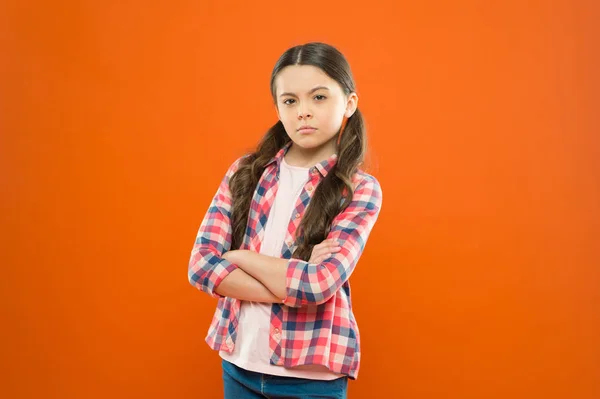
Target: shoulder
367, 191
364, 181
235, 165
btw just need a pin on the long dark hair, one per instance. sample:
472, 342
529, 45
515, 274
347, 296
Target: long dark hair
326, 202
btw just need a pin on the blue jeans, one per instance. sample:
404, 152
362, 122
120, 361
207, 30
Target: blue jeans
244, 384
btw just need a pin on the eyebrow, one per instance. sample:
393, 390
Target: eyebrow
310, 92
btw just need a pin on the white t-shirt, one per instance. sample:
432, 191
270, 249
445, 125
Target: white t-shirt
251, 349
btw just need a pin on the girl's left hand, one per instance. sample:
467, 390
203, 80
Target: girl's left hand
324, 250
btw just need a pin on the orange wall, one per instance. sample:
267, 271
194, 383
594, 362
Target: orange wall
118, 120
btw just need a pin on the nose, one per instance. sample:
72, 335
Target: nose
304, 112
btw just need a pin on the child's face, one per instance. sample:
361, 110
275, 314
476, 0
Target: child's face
306, 96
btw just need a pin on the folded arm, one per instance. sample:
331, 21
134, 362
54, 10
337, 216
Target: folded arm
208, 269
268, 270
297, 282
240, 285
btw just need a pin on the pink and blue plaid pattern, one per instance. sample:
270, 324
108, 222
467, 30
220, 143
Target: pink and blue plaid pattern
315, 323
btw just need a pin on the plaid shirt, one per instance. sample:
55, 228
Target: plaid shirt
315, 323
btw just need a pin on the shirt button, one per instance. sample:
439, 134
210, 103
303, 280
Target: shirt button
289, 243
276, 331
310, 189
297, 216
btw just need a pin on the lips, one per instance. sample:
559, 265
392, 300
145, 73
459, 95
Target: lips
306, 129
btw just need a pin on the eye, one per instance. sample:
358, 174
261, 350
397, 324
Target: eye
320, 97
288, 103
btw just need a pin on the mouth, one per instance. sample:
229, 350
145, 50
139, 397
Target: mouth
306, 130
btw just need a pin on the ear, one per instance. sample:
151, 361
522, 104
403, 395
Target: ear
351, 105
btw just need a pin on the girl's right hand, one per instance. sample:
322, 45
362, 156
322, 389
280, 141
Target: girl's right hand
323, 251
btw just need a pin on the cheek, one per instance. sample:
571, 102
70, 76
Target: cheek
334, 116
288, 119
286, 115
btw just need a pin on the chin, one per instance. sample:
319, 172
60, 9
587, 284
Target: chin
307, 144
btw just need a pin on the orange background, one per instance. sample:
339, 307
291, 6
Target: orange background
118, 120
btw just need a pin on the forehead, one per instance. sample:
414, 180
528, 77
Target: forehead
301, 79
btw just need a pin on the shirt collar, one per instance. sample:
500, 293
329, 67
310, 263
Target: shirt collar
322, 167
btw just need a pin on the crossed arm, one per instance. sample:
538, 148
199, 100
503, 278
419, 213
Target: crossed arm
247, 275
259, 278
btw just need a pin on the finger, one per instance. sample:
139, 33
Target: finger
324, 248
316, 255
323, 251
316, 259
320, 247
324, 242
322, 258
327, 242
333, 241
333, 248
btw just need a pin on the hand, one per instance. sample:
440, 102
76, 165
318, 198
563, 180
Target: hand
323, 251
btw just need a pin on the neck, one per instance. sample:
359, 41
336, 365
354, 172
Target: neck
308, 157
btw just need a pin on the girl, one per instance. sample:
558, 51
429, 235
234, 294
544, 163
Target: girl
283, 234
